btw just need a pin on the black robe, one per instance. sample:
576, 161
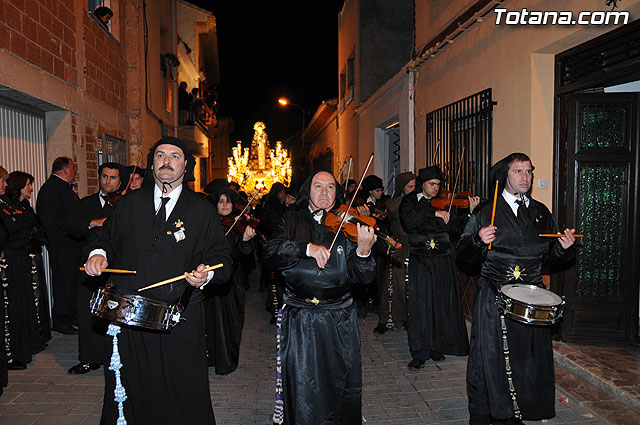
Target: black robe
164, 373
434, 314
320, 339
4, 375
531, 353
91, 330
56, 202
25, 299
224, 311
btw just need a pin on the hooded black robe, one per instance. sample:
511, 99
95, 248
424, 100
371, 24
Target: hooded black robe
434, 314
25, 298
320, 339
224, 304
531, 353
164, 373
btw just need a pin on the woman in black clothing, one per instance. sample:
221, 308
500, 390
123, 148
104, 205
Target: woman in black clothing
224, 303
25, 295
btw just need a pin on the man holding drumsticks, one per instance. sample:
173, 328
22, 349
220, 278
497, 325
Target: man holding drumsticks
510, 367
160, 231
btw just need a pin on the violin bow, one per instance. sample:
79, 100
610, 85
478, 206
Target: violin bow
435, 153
346, 182
384, 190
455, 184
242, 212
341, 170
130, 175
344, 217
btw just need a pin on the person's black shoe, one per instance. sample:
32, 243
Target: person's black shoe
380, 329
416, 364
65, 329
82, 368
436, 356
16, 365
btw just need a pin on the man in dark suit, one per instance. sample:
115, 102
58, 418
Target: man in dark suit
162, 230
92, 211
56, 202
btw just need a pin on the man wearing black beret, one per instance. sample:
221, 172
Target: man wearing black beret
162, 230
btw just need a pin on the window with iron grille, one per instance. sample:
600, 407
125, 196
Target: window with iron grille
111, 149
459, 139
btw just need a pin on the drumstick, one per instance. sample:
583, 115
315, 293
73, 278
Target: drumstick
493, 213
173, 279
114, 271
557, 235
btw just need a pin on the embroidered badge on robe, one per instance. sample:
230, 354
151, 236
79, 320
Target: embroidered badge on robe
516, 273
179, 232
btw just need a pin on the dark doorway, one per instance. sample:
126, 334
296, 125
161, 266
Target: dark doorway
597, 189
601, 290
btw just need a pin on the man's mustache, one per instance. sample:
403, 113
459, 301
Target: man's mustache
166, 167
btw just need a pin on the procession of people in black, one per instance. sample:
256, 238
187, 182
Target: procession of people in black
316, 285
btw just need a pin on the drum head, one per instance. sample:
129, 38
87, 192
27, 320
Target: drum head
531, 294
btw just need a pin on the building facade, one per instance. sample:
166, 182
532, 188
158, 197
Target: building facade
71, 86
476, 88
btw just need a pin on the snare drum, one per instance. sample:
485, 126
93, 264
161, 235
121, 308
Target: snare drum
134, 310
529, 304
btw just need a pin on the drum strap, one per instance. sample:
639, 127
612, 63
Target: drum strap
120, 395
278, 408
505, 350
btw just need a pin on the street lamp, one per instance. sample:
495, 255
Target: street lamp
283, 101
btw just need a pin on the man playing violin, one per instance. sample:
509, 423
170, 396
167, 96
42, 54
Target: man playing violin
435, 323
91, 212
162, 230
510, 251
318, 327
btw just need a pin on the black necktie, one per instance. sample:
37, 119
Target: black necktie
161, 218
522, 214
162, 212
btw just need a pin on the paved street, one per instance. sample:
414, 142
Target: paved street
45, 395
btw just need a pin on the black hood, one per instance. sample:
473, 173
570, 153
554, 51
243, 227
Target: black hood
302, 198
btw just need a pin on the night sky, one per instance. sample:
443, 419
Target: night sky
273, 49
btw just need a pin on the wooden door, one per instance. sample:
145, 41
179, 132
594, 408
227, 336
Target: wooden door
601, 201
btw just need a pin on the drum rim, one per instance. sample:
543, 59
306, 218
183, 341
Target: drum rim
137, 297
530, 285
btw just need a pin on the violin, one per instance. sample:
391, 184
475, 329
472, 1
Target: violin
446, 198
113, 197
350, 228
241, 225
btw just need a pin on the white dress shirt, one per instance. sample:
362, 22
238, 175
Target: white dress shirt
511, 201
157, 202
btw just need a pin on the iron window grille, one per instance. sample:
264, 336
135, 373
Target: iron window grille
111, 149
466, 124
